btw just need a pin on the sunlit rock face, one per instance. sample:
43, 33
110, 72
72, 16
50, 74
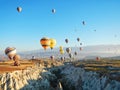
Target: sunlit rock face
76, 78
64, 77
29, 79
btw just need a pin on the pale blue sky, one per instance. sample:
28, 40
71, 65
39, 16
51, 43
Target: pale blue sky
24, 30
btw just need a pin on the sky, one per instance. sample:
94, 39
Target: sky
25, 29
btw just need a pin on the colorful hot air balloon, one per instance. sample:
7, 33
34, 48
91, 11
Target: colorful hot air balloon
53, 10
10, 52
45, 42
19, 9
78, 39
68, 50
66, 40
61, 48
52, 43
16, 57
62, 51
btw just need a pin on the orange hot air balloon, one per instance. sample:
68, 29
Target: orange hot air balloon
45, 42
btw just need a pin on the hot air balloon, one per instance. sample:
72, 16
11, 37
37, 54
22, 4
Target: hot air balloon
80, 48
68, 50
16, 57
62, 51
52, 57
52, 43
10, 52
33, 57
78, 39
53, 10
45, 42
62, 58
66, 40
80, 43
70, 55
83, 22
19, 9
61, 48
17, 63
75, 53
97, 58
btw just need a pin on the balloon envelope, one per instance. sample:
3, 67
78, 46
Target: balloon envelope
16, 57
45, 42
10, 52
66, 40
19, 9
52, 43
75, 53
68, 50
53, 10
61, 51
52, 57
78, 39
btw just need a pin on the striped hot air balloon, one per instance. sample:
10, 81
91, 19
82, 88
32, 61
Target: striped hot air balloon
10, 52
45, 42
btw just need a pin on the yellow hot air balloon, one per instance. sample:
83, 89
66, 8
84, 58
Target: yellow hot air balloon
45, 42
52, 43
62, 51
61, 48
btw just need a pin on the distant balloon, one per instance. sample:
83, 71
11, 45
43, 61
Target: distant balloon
80, 48
33, 57
83, 22
78, 39
61, 48
52, 57
62, 51
80, 43
53, 11
17, 63
68, 50
45, 42
97, 58
62, 58
52, 43
70, 55
75, 53
16, 57
66, 40
10, 52
19, 9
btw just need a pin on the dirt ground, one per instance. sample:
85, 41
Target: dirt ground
8, 66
